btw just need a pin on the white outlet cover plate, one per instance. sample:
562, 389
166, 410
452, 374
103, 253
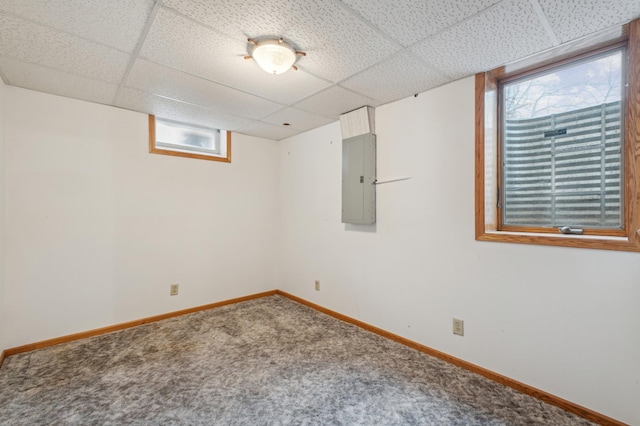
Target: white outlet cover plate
458, 327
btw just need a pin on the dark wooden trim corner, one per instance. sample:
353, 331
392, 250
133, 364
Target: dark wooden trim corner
479, 155
632, 134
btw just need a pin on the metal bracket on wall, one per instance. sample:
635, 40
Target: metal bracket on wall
380, 182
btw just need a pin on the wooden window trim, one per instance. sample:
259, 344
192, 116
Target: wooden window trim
486, 146
154, 150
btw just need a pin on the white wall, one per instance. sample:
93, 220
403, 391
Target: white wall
2, 208
98, 228
562, 320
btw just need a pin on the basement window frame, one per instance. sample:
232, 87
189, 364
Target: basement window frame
488, 146
223, 147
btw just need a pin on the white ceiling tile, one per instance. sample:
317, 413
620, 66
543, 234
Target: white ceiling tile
180, 43
191, 65
571, 19
137, 100
298, 119
163, 81
337, 44
43, 79
335, 101
409, 21
115, 23
401, 76
498, 36
286, 88
269, 131
34, 43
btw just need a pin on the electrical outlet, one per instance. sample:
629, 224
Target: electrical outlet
317, 285
174, 290
458, 327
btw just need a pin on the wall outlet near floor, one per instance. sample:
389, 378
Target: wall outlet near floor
317, 285
174, 290
458, 327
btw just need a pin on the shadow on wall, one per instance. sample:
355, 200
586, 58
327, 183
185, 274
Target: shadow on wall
372, 229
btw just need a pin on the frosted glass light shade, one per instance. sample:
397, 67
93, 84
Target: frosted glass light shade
274, 56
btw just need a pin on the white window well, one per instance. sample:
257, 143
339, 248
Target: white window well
562, 146
558, 146
180, 139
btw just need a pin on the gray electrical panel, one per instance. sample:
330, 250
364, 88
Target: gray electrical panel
358, 179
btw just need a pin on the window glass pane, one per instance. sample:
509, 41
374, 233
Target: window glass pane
562, 146
184, 137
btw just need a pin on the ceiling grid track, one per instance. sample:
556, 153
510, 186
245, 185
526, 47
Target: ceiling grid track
369, 24
210, 81
410, 46
182, 58
545, 22
136, 52
60, 30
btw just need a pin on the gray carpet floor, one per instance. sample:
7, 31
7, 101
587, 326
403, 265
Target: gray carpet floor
266, 361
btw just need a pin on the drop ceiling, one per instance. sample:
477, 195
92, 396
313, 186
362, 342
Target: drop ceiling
183, 59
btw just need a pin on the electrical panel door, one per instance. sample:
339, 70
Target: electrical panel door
358, 179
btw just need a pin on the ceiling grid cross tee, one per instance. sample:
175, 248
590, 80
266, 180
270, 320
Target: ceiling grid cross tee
184, 59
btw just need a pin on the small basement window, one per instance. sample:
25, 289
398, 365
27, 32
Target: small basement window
169, 137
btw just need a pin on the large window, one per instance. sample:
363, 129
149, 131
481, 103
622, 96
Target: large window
562, 147
556, 146
175, 138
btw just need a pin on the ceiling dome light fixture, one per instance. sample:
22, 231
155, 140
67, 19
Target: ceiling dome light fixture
275, 56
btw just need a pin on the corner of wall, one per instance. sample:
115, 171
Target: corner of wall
128, 223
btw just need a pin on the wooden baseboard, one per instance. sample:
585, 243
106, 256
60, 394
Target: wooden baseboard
519, 386
125, 325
